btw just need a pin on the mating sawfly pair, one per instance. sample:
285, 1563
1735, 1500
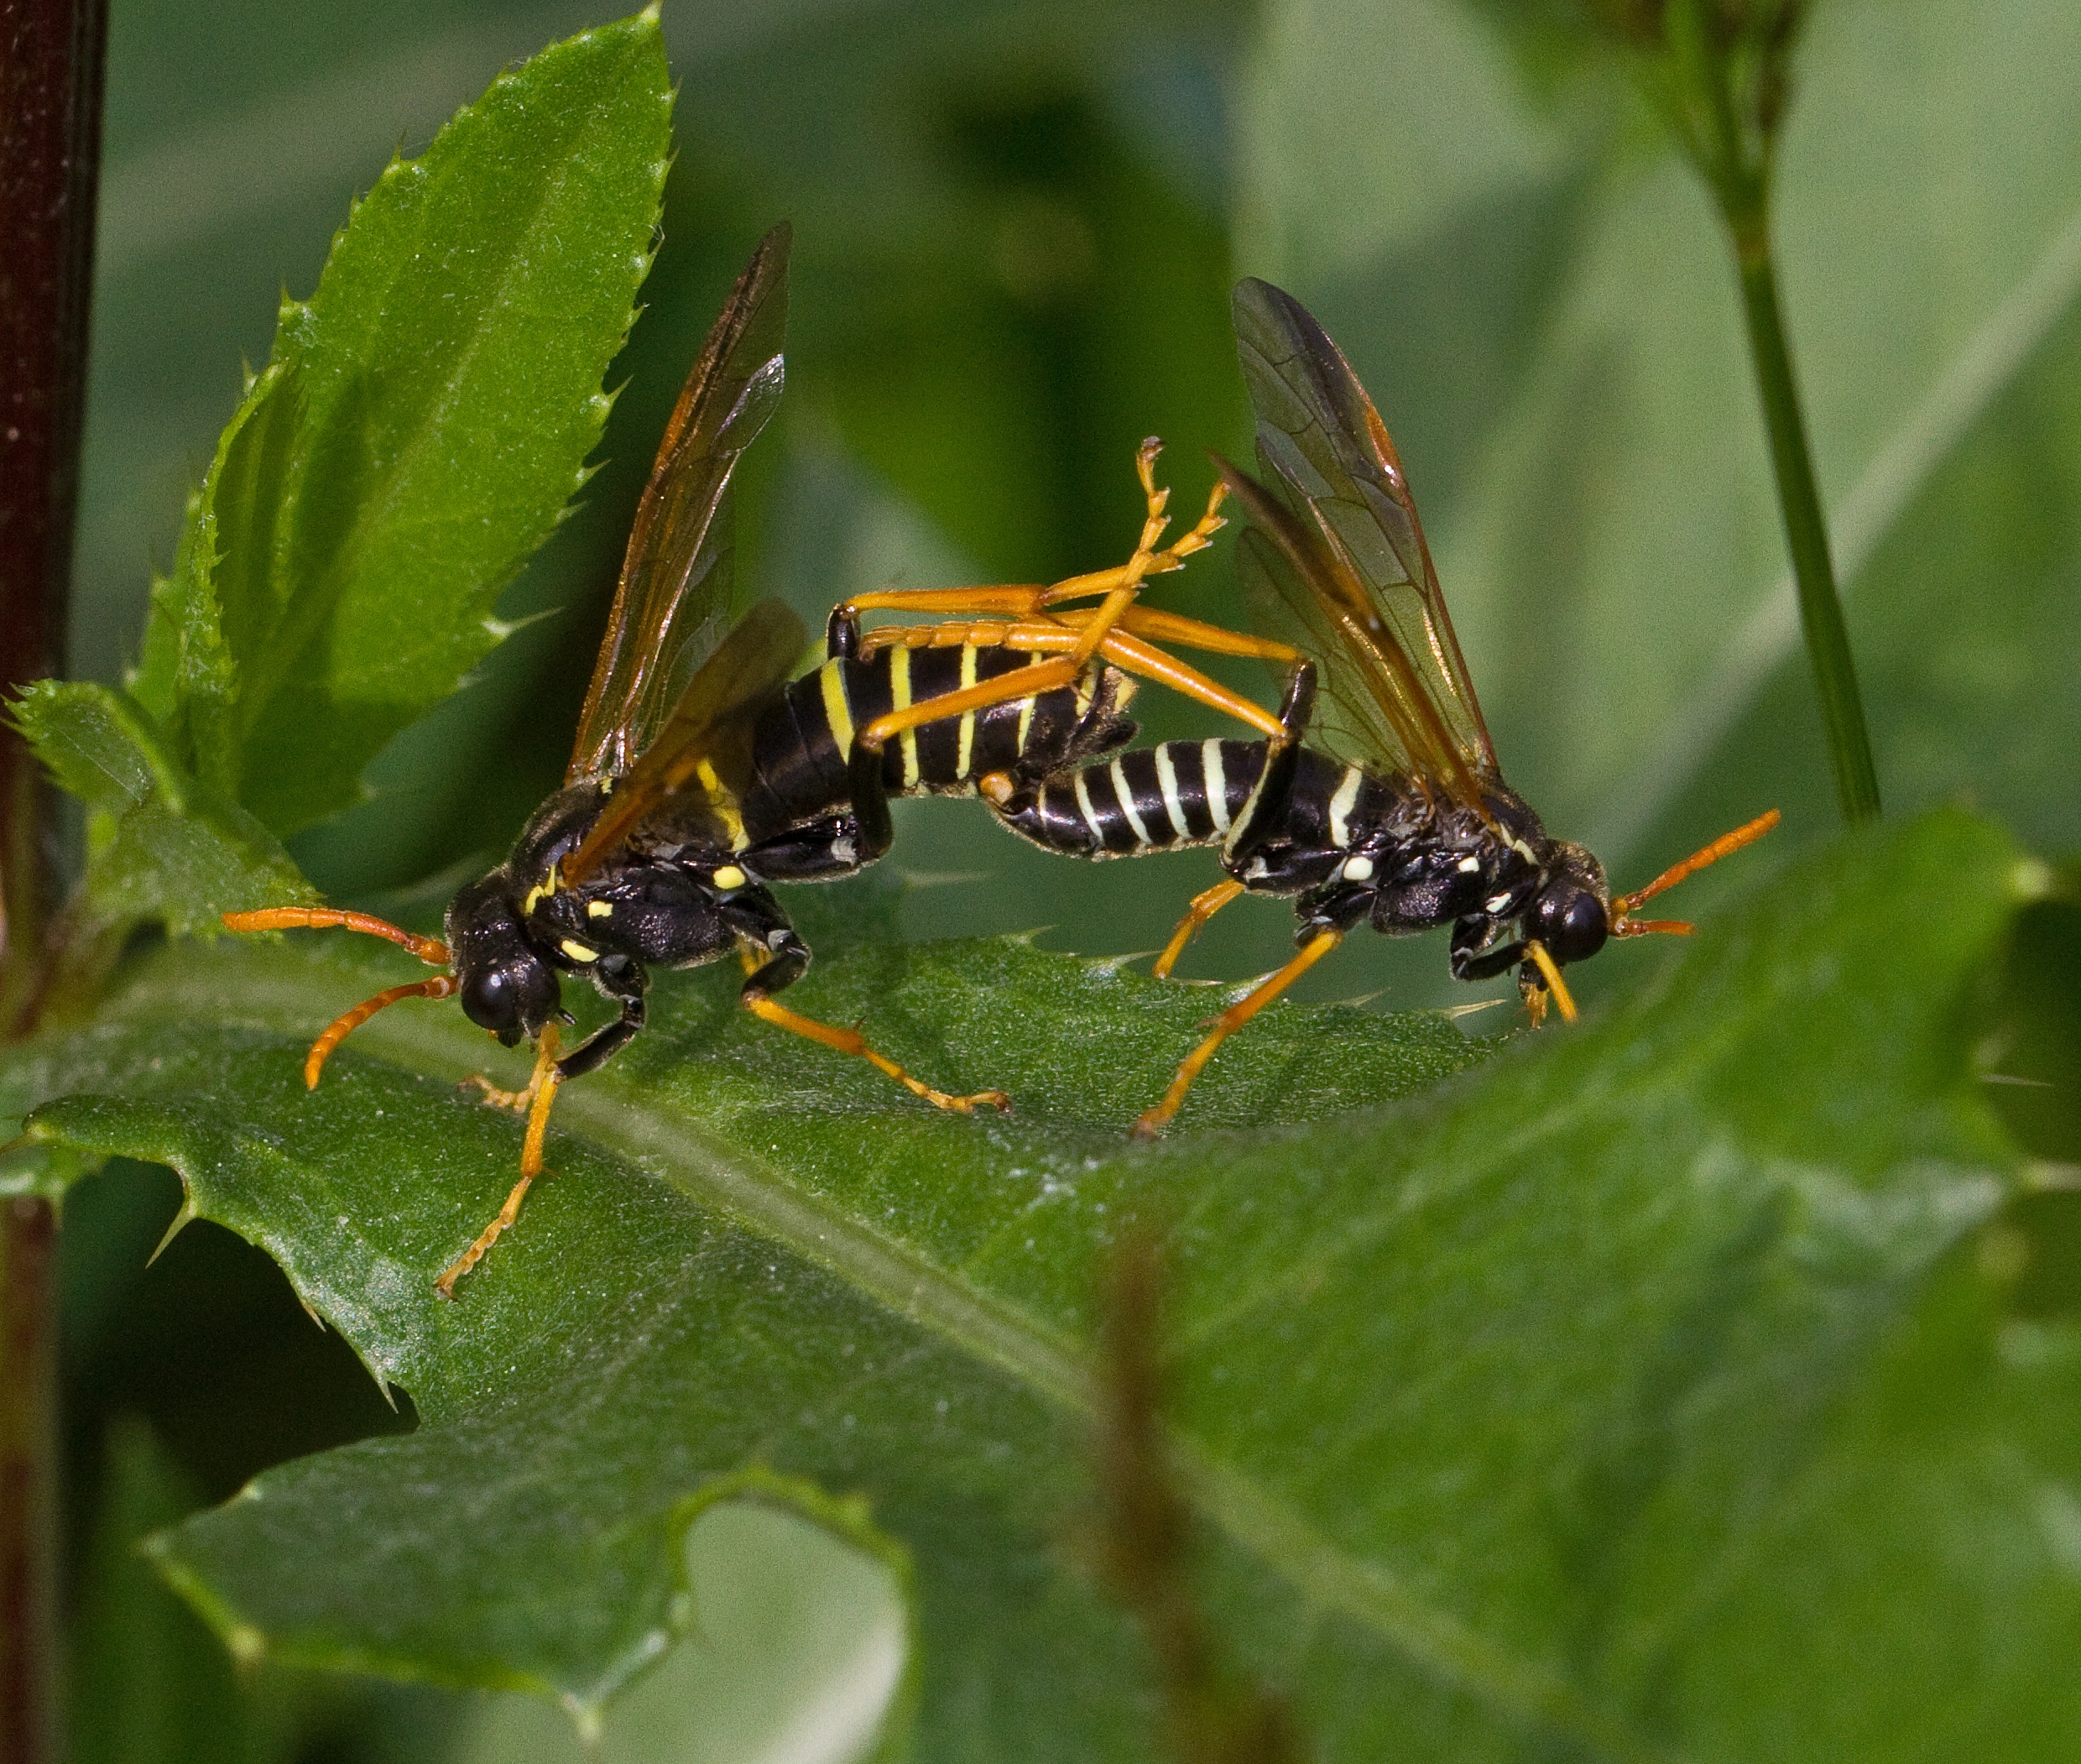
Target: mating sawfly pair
701, 774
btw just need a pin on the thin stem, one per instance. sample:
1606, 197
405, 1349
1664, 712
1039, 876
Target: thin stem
51, 56
28, 1481
1730, 138
1807, 537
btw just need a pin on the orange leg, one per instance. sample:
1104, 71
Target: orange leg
1019, 618
1150, 622
520, 1101
1121, 595
1025, 600
1536, 996
1111, 629
1130, 655
850, 1040
1226, 1024
1192, 634
541, 1097
1205, 904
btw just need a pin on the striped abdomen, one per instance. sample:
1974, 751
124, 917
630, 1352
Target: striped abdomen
1179, 794
1186, 793
802, 744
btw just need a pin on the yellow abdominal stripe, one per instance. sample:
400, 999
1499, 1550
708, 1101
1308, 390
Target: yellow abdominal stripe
836, 711
899, 699
966, 753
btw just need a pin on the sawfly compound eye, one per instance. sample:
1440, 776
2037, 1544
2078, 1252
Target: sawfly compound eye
511, 999
1571, 921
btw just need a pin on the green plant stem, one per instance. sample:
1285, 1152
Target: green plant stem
1807, 538
51, 56
1730, 141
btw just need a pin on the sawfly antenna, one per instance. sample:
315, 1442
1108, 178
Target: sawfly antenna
429, 950
1624, 924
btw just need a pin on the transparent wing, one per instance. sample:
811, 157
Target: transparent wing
1347, 722
1339, 545
673, 602
697, 764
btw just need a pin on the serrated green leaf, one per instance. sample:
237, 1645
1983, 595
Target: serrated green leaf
1583, 1401
796, 1650
420, 429
161, 843
187, 677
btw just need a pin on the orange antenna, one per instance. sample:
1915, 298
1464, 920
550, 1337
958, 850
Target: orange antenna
429, 950
1624, 924
441, 986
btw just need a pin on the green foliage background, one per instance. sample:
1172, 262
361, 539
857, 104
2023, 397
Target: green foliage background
1017, 226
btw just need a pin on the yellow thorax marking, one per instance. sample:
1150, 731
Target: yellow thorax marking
578, 953
724, 803
729, 877
542, 890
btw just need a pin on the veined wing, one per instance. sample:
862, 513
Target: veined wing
701, 757
1339, 543
672, 603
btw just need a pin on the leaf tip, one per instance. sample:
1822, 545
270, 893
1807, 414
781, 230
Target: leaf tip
183, 1217
1108, 968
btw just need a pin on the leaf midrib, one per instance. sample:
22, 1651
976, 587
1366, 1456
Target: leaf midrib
622, 1120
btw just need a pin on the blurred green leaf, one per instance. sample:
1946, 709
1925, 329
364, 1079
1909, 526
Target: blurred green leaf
1523, 1404
2030, 1049
149, 1684
340, 566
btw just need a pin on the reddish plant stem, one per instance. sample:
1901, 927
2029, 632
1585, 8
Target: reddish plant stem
51, 57
28, 1483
